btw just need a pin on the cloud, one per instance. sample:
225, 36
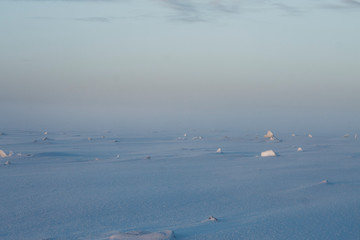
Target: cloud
194, 11
93, 19
352, 3
287, 8
185, 10
343, 5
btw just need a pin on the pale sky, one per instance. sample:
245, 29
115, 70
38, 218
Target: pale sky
208, 61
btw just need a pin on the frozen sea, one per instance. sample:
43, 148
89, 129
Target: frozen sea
102, 185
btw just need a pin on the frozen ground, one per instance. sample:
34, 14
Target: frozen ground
103, 185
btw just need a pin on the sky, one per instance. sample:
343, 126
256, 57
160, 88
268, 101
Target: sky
250, 64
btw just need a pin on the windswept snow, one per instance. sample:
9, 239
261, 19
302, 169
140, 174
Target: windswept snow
57, 189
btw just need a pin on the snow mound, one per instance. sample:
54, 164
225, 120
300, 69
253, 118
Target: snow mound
300, 149
2, 154
268, 153
269, 134
142, 235
219, 150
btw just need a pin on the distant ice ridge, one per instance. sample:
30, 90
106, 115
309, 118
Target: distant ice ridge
268, 153
142, 235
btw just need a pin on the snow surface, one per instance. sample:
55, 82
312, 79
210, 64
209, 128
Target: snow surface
57, 190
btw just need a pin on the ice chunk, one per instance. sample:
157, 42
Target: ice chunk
142, 235
212, 218
309, 135
219, 150
293, 135
356, 136
89, 138
300, 149
3, 154
268, 153
269, 134
346, 135
197, 138
325, 181
7, 163
45, 133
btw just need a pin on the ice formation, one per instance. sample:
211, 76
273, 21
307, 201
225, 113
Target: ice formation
219, 150
142, 235
212, 218
310, 136
3, 154
300, 149
268, 153
197, 138
269, 134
